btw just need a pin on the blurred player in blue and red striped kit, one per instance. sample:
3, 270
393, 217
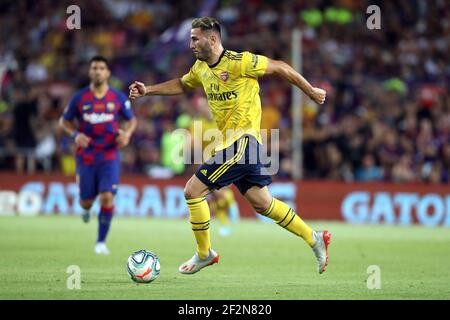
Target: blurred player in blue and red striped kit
97, 109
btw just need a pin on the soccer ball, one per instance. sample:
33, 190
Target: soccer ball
143, 266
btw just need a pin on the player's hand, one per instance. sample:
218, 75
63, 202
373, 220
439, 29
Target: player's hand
123, 139
318, 95
82, 140
137, 89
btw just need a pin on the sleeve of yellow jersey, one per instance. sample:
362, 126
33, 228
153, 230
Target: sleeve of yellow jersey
253, 65
191, 79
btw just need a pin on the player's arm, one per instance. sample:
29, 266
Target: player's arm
285, 71
169, 88
130, 123
125, 134
66, 124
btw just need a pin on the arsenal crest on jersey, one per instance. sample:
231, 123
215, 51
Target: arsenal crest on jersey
224, 76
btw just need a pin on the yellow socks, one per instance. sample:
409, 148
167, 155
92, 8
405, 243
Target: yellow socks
221, 210
229, 197
278, 211
286, 218
199, 218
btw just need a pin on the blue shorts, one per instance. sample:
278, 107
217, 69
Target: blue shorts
95, 179
239, 164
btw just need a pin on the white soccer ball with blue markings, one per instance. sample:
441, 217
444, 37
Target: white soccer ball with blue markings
143, 266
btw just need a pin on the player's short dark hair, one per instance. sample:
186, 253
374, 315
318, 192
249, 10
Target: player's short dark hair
99, 59
206, 23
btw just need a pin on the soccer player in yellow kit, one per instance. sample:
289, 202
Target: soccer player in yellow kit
204, 129
230, 82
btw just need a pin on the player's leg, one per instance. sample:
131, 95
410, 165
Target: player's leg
233, 209
108, 181
86, 205
266, 205
221, 204
104, 221
217, 172
199, 216
87, 189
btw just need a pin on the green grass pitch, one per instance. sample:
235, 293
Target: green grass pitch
258, 261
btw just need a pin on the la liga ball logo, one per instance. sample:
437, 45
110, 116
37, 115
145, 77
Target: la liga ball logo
224, 76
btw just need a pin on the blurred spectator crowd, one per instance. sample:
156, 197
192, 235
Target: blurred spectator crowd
386, 118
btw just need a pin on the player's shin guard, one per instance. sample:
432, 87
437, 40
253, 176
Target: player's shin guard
104, 221
285, 217
199, 218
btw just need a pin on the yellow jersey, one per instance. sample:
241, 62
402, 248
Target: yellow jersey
232, 90
199, 126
